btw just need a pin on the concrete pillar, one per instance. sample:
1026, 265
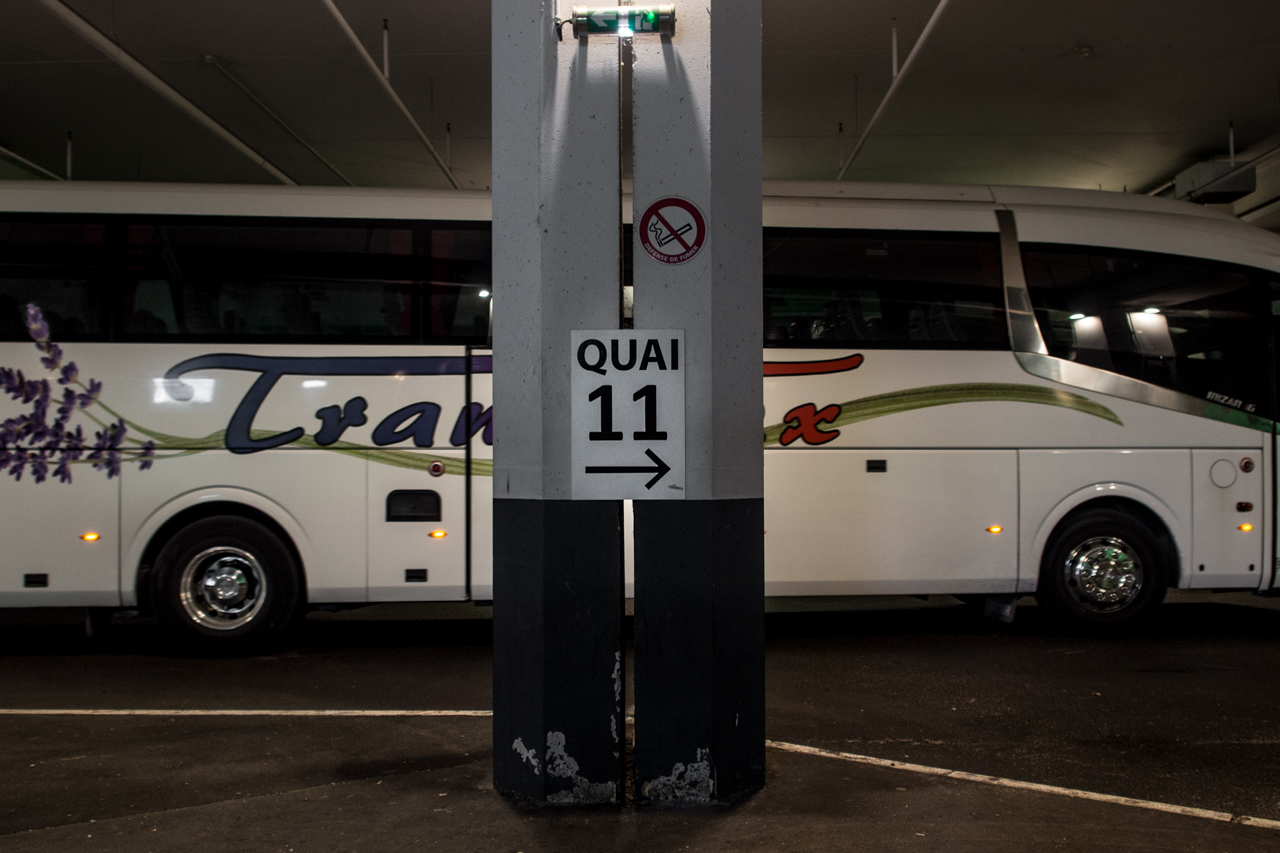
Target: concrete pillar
699, 587
558, 717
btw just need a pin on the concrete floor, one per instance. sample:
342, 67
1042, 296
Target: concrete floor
1186, 713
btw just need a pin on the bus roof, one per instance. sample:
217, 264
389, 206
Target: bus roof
990, 195
1044, 214
241, 200
401, 203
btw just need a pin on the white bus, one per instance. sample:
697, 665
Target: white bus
230, 403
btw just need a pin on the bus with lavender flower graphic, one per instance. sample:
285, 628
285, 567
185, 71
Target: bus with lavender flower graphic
253, 414
223, 405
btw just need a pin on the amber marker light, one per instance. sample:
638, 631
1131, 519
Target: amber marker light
90, 537
438, 534
1246, 527
995, 528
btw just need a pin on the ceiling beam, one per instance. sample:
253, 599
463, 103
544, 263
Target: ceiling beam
391, 93
146, 76
216, 63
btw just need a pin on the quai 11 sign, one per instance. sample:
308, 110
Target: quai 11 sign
627, 414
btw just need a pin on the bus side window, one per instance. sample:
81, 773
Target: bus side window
1187, 324
839, 288
59, 266
271, 281
306, 281
460, 276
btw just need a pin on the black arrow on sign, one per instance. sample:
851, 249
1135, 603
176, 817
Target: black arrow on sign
660, 469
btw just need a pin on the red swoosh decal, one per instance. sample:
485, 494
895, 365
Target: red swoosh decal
811, 368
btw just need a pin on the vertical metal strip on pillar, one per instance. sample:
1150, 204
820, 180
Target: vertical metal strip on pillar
558, 720
699, 563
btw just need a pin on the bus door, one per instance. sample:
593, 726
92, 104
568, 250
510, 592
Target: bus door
1230, 485
61, 542
1272, 579
417, 512
418, 507
481, 481
1226, 549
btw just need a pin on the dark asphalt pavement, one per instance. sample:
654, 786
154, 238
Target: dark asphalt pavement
1186, 712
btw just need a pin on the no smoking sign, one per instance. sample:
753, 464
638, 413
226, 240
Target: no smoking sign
672, 230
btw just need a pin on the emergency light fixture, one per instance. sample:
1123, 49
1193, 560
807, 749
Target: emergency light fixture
623, 21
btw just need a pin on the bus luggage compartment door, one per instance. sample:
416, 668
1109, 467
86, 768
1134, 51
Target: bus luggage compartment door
867, 522
61, 541
1226, 518
417, 528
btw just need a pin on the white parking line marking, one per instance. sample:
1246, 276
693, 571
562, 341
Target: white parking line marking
1226, 817
1188, 811
203, 712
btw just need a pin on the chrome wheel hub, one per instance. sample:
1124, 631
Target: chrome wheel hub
223, 588
1103, 574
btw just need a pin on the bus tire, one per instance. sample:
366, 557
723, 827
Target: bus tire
226, 584
1103, 568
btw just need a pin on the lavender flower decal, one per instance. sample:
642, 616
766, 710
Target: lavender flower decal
31, 441
43, 442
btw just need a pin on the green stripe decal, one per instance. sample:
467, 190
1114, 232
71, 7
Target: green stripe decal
171, 447
878, 406
1219, 412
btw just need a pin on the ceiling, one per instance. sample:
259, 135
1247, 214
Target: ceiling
1075, 93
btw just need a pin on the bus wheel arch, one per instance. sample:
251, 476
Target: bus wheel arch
1142, 503
1107, 563
246, 541
197, 512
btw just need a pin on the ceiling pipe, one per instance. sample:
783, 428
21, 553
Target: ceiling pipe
216, 63
386, 86
386, 48
121, 57
894, 47
894, 86
28, 165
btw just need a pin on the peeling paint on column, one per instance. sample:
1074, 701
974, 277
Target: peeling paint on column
617, 677
691, 784
527, 755
617, 697
562, 766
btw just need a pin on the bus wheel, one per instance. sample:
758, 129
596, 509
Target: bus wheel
1103, 568
226, 584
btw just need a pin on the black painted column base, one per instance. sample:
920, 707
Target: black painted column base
558, 723
699, 653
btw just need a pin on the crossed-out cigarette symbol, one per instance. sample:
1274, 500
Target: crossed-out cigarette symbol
664, 236
682, 225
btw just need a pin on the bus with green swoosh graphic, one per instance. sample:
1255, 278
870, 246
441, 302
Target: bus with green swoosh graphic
225, 408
